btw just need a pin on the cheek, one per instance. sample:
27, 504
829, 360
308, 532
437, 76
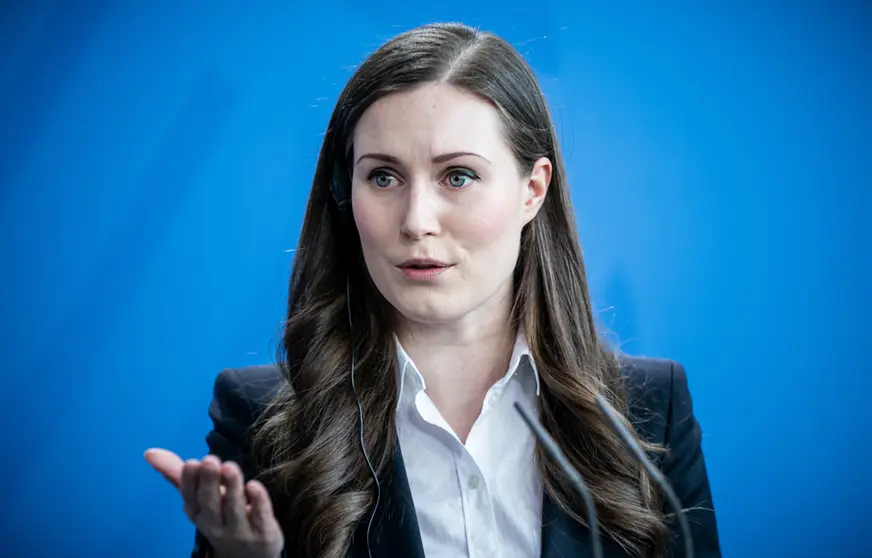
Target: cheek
374, 227
495, 230
370, 224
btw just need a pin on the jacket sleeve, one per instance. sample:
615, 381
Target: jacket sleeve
232, 416
684, 466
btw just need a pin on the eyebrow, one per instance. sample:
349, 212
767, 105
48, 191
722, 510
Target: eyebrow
445, 157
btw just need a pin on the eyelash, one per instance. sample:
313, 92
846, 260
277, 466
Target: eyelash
455, 171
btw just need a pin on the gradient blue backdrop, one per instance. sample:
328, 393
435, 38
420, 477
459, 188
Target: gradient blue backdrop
154, 166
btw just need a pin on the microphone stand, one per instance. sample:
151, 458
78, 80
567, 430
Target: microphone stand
555, 453
617, 425
637, 451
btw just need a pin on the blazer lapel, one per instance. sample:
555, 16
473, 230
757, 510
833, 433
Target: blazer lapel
395, 526
395, 529
561, 536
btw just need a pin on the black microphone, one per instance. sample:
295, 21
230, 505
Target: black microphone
637, 451
555, 453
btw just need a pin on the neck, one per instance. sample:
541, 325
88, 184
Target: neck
460, 361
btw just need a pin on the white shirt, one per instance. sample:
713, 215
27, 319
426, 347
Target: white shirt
482, 499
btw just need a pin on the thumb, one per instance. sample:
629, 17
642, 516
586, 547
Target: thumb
167, 464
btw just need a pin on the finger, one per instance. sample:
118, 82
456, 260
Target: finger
190, 485
234, 499
208, 493
166, 463
261, 506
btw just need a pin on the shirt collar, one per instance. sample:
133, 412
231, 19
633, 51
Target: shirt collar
408, 374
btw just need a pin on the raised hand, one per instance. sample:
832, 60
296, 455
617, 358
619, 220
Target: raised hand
236, 517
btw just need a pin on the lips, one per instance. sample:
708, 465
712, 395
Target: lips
424, 269
422, 263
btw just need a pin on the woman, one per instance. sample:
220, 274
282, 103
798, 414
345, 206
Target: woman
438, 280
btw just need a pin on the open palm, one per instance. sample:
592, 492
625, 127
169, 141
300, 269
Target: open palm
235, 516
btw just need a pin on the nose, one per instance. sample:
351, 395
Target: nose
421, 218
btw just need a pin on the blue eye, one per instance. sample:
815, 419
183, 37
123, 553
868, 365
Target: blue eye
460, 179
381, 179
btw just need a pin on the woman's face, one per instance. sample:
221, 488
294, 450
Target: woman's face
440, 203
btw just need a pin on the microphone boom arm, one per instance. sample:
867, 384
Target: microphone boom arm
555, 453
633, 445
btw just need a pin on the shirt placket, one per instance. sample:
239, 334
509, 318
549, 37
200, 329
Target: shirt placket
478, 513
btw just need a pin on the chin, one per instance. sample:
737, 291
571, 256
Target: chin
429, 309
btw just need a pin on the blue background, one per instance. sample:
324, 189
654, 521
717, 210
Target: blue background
155, 161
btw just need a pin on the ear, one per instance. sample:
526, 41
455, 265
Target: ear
537, 188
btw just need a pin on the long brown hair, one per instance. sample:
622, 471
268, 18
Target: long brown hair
308, 443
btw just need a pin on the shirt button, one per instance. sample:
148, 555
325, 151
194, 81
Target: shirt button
474, 481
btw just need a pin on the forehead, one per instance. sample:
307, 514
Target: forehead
438, 118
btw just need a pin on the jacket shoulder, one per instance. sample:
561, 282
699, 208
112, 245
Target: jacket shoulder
661, 408
253, 385
649, 384
240, 396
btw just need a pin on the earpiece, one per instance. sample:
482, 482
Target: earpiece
360, 413
340, 188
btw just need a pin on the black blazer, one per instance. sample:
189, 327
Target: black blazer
660, 407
